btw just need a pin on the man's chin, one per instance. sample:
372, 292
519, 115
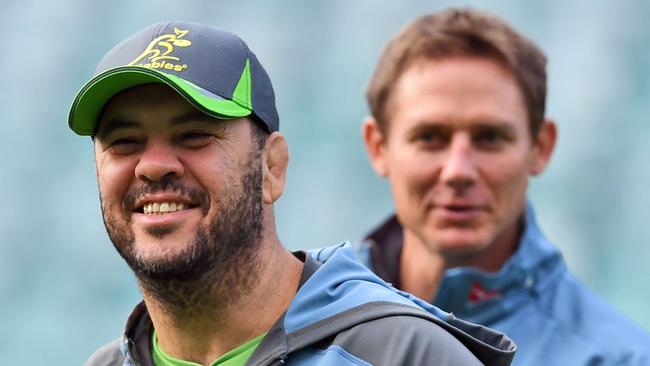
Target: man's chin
155, 260
459, 242
160, 267
166, 232
160, 257
162, 238
159, 232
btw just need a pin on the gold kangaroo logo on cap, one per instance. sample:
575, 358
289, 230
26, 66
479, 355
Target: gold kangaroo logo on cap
158, 50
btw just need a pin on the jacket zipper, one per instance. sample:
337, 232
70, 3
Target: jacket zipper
281, 360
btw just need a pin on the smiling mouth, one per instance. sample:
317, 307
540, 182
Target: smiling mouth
161, 208
462, 212
461, 208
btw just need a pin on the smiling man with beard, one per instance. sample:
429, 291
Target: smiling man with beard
214, 257
189, 163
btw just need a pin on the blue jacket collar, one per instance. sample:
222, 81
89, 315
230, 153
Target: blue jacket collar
471, 293
484, 296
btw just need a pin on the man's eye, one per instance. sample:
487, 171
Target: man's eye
195, 139
195, 135
124, 146
431, 139
490, 139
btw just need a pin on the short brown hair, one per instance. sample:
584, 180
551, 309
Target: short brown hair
461, 32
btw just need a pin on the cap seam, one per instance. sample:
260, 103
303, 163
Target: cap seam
249, 76
157, 31
160, 30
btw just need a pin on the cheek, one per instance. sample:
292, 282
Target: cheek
114, 179
412, 175
208, 172
507, 179
217, 179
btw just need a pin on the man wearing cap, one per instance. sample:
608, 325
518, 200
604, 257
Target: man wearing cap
457, 127
189, 162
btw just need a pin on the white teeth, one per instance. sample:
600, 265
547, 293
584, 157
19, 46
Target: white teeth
162, 207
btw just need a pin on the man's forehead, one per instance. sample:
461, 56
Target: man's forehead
139, 105
193, 116
146, 94
456, 87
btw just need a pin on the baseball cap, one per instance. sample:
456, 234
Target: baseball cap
211, 68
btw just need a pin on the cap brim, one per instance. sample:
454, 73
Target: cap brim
92, 98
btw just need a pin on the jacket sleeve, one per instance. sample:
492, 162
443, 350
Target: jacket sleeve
107, 355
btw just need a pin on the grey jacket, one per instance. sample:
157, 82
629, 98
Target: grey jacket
344, 315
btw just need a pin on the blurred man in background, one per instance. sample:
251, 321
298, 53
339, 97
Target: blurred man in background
458, 126
190, 162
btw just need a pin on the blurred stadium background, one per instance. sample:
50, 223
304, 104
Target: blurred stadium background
64, 290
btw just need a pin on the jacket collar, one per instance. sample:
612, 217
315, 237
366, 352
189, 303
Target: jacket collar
471, 293
136, 341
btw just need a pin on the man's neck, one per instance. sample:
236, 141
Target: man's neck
205, 333
422, 267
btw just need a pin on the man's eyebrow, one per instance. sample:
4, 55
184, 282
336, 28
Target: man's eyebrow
428, 125
116, 123
501, 125
191, 116
442, 127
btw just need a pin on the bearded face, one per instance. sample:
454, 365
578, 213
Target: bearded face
229, 239
181, 193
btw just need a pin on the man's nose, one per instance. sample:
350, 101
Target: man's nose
159, 160
459, 168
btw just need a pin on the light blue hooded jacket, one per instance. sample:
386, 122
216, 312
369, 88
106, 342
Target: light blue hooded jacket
551, 316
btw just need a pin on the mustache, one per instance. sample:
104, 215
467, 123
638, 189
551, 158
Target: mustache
196, 195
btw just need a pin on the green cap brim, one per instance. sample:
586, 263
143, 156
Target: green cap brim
92, 98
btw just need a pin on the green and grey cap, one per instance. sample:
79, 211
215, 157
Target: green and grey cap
213, 69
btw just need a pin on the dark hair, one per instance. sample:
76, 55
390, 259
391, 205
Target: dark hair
455, 33
259, 134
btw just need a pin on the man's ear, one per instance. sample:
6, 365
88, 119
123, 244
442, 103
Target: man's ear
375, 142
544, 146
275, 160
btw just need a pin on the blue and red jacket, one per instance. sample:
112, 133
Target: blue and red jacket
534, 299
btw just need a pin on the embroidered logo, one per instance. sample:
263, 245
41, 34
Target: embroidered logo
480, 294
157, 55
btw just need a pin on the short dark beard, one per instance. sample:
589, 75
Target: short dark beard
221, 261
